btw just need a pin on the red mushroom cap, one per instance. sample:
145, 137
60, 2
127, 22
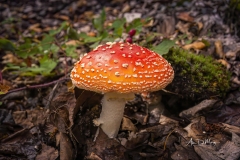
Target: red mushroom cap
122, 67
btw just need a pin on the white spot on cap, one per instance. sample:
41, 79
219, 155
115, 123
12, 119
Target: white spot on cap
82, 65
124, 65
89, 63
117, 74
135, 75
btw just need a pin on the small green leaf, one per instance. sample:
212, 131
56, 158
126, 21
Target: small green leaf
72, 34
135, 24
27, 49
54, 48
47, 42
164, 47
98, 22
45, 68
47, 64
6, 45
54, 32
89, 39
70, 51
118, 26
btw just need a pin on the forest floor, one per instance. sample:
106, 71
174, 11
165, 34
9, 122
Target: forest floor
42, 117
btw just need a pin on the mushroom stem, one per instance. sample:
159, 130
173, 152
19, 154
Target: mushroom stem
113, 105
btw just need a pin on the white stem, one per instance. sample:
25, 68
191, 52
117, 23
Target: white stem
113, 105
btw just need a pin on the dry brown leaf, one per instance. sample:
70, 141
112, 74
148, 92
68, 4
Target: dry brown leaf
230, 128
185, 16
184, 28
194, 45
167, 25
225, 63
219, 49
47, 152
104, 145
66, 147
62, 17
63, 111
30, 118
128, 125
91, 34
72, 43
93, 156
35, 28
4, 88
11, 58
149, 24
200, 25
166, 120
191, 112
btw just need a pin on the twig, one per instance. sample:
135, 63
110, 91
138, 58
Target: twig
165, 143
1, 80
39, 85
52, 94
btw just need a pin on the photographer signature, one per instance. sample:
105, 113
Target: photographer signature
201, 142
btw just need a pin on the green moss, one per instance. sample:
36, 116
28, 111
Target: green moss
197, 76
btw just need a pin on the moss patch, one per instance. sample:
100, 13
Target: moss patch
196, 76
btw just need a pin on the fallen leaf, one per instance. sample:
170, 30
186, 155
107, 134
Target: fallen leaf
72, 43
30, 118
185, 16
104, 145
219, 49
4, 88
63, 111
225, 63
191, 112
66, 147
194, 45
35, 28
22, 143
166, 120
184, 28
47, 152
128, 125
166, 24
11, 58
91, 34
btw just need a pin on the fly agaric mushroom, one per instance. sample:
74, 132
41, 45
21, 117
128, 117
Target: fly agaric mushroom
118, 70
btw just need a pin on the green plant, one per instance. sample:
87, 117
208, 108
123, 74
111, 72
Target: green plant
197, 76
41, 57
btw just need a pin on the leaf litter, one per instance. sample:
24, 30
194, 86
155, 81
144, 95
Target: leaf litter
209, 129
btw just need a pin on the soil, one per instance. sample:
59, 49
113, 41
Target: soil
43, 117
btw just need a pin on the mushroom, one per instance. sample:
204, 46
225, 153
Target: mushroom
119, 70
